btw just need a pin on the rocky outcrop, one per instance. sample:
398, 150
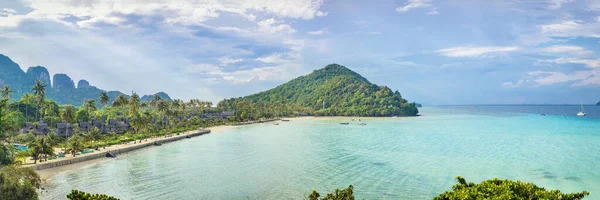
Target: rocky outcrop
83, 83
37, 73
162, 95
62, 81
61, 89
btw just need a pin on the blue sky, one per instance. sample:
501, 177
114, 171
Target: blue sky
432, 51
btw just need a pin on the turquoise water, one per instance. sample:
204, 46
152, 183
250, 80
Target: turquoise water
390, 158
20, 147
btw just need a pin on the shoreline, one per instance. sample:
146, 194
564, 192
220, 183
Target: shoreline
99, 156
50, 168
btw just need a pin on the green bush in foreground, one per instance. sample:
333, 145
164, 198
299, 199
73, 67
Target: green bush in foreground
18, 183
345, 194
504, 189
80, 195
489, 189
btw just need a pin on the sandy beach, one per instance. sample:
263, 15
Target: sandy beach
48, 173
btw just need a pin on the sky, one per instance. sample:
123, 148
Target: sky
432, 51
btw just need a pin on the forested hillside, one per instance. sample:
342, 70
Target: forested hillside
337, 91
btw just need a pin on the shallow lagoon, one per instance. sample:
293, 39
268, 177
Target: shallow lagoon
390, 158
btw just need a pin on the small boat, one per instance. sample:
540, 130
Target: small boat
344, 123
394, 116
285, 120
581, 113
362, 124
542, 114
276, 124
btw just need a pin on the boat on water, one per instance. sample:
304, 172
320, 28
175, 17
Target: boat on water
394, 116
581, 113
276, 124
285, 120
344, 123
362, 124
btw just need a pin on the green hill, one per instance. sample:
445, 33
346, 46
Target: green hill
337, 91
62, 88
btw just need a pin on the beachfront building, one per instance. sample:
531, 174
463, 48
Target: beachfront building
64, 130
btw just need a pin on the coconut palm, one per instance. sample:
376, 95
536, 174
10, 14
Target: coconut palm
68, 114
75, 144
6, 92
90, 106
39, 90
155, 99
93, 135
104, 98
163, 107
121, 101
134, 103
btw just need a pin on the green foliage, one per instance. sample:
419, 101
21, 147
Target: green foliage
345, 194
5, 154
17, 183
80, 195
83, 115
503, 189
75, 144
68, 114
336, 91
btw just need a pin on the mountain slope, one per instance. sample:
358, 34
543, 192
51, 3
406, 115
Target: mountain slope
338, 91
62, 88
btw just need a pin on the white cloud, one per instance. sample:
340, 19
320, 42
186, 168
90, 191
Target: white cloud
182, 12
556, 4
572, 28
474, 51
271, 26
227, 60
321, 14
548, 78
570, 49
433, 11
413, 4
274, 58
590, 63
513, 84
318, 32
368, 33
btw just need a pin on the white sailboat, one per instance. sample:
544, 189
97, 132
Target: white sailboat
582, 112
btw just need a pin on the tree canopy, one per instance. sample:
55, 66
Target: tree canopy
336, 91
504, 189
80, 195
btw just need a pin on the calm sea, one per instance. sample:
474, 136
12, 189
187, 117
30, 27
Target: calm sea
389, 158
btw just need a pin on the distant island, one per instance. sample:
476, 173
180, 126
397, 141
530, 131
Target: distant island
61, 89
332, 91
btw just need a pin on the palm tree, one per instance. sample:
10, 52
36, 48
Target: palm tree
68, 114
163, 107
121, 101
155, 99
104, 98
134, 103
90, 106
93, 135
75, 143
6, 92
39, 90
